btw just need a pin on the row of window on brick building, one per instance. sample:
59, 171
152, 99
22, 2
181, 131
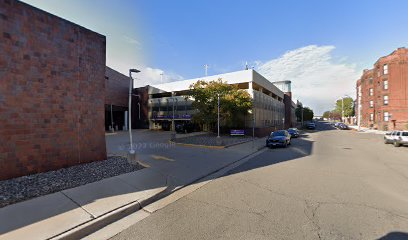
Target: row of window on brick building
386, 115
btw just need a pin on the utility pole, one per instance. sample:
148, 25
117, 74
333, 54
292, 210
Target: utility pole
359, 108
342, 109
302, 115
206, 69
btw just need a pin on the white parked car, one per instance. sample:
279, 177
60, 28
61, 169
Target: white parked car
389, 137
401, 138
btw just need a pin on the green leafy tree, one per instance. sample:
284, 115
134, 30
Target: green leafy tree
326, 114
234, 103
336, 115
348, 106
307, 113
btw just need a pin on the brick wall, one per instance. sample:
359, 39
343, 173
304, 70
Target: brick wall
287, 100
117, 88
397, 92
143, 100
52, 92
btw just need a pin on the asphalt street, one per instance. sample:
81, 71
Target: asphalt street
329, 184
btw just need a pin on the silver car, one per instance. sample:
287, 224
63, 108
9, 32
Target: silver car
401, 138
389, 137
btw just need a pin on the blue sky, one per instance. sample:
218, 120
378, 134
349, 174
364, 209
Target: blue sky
320, 45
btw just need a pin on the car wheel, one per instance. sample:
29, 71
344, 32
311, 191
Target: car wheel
385, 141
396, 144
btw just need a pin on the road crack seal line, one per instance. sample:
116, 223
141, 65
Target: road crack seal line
272, 191
366, 206
260, 214
395, 171
312, 207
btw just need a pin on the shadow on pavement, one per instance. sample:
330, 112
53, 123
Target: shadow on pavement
299, 148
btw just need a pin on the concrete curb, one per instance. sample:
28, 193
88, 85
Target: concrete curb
234, 144
206, 146
197, 145
93, 225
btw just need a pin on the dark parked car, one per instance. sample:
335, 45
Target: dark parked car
184, 127
311, 125
342, 126
279, 138
293, 132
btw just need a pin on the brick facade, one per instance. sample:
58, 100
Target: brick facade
143, 100
52, 92
287, 100
385, 107
117, 88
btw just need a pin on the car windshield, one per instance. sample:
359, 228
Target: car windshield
278, 133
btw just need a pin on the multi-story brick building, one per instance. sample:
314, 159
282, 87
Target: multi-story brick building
52, 91
382, 93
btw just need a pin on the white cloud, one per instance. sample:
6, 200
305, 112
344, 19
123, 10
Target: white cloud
317, 79
151, 76
132, 41
147, 75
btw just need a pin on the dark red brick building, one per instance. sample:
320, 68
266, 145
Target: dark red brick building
117, 100
52, 92
140, 107
382, 93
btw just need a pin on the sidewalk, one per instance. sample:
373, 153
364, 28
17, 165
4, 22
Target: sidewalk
367, 130
81, 209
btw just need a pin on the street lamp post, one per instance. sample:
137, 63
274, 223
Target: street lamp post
218, 122
253, 128
172, 122
132, 153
